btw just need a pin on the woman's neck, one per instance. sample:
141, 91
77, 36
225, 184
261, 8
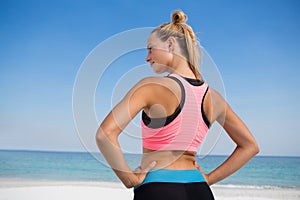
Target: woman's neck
181, 67
184, 71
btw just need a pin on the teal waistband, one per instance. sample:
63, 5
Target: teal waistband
173, 176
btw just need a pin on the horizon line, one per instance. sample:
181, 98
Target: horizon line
72, 151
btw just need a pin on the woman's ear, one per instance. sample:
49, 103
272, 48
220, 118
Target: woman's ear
172, 43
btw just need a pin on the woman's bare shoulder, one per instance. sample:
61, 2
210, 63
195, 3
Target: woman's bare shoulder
157, 82
157, 89
214, 105
155, 79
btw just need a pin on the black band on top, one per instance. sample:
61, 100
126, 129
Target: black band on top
202, 110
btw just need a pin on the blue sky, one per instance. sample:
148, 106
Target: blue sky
255, 45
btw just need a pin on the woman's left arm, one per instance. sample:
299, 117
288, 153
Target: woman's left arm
246, 145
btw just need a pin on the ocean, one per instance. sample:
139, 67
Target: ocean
265, 171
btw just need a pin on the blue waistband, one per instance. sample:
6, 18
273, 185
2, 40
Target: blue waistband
173, 176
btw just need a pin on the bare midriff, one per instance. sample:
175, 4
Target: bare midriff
169, 159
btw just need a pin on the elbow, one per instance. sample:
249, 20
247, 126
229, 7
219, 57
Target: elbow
251, 149
101, 136
254, 149
257, 149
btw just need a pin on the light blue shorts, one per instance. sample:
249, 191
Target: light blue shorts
173, 176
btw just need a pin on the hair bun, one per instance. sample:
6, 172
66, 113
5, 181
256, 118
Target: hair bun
179, 17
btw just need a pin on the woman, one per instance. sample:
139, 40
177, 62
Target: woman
178, 110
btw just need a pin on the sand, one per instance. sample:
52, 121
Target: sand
50, 190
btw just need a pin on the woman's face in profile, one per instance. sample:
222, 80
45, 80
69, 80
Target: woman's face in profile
159, 55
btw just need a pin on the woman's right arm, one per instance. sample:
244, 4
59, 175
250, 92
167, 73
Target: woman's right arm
111, 127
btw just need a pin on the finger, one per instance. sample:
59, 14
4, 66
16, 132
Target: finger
149, 167
143, 173
138, 169
197, 166
201, 170
203, 174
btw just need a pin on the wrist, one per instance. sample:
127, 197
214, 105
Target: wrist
129, 179
130, 182
208, 179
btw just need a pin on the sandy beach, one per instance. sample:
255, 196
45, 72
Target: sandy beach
45, 190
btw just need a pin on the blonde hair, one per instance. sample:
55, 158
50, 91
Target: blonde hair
186, 38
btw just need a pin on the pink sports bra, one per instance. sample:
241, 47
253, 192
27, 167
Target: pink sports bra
186, 128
